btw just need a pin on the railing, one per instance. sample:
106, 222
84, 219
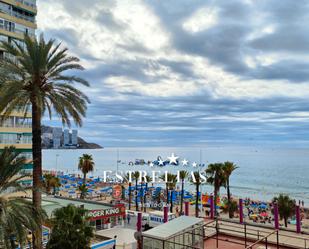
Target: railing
21, 16
27, 3
265, 238
250, 232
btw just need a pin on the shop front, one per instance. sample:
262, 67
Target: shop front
107, 218
101, 215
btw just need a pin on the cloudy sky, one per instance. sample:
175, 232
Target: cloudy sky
189, 72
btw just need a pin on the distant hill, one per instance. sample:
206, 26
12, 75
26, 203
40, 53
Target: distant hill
82, 143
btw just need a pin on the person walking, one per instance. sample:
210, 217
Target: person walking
128, 218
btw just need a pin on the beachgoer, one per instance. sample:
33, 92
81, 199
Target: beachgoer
128, 218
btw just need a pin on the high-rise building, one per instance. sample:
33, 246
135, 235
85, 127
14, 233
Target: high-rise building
57, 134
17, 18
66, 137
74, 137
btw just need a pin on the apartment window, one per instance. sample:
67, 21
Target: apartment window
9, 26
1, 24
9, 122
23, 122
3, 38
8, 138
23, 14
5, 8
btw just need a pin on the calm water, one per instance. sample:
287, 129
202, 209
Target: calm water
262, 173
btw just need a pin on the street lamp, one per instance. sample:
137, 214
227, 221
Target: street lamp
57, 155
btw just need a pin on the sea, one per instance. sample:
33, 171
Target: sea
262, 173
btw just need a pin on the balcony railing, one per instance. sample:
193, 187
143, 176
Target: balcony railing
27, 3
21, 16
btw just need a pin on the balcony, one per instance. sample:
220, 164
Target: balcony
14, 19
19, 140
23, 4
15, 124
17, 146
11, 34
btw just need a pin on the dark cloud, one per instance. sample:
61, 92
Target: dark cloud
107, 19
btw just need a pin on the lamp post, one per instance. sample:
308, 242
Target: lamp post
57, 155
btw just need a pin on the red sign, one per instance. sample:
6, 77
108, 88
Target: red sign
106, 213
117, 191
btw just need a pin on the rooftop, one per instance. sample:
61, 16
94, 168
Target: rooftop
173, 227
51, 203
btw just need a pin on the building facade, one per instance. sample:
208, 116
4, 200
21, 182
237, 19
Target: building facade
74, 138
66, 137
17, 18
57, 134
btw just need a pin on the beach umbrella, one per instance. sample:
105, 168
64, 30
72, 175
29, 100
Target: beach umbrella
264, 214
263, 206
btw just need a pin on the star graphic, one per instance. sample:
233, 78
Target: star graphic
194, 164
173, 159
160, 162
151, 164
184, 162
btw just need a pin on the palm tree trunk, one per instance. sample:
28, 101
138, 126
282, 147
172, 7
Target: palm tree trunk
37, 168
229, 198
130, 196
285, 221
215, 200
197, 199
145, 208
136, 203
85, 178
171, 207
181, 198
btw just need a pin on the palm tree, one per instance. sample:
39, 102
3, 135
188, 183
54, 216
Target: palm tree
86, 165
286, 207
83, 191
17, 215
55, 183
70, 229
172, 180
47, 179
215, 176
230, 209
228, 169
148, 179
197, 181
182, 175
35, 77
135, 176
51, 181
